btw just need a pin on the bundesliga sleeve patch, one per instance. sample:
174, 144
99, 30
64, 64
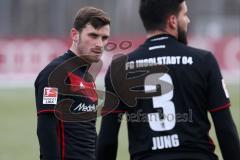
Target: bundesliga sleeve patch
50, 95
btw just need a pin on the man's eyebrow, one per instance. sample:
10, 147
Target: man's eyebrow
94, 34
106, 36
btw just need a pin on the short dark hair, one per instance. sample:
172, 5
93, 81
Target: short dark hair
90, 15
154, 13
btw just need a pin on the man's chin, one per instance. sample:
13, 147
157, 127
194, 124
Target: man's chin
94, 59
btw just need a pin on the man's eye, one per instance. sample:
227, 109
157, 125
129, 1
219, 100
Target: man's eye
93, 36
104, 38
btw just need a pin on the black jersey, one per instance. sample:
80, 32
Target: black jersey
65, 94
172, 124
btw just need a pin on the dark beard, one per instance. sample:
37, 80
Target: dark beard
182, 36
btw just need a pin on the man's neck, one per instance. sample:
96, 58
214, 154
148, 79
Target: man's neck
74, 50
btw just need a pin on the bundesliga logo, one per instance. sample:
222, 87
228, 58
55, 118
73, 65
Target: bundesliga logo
50, 95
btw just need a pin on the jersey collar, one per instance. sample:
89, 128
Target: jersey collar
70, 53
160, 37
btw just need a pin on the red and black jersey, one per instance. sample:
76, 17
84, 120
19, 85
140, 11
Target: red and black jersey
166, 90
66, 101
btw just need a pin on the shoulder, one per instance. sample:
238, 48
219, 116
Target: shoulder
200, 56
138, 52
47, 70
196, 52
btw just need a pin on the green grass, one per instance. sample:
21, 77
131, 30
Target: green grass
18, 140
18, 125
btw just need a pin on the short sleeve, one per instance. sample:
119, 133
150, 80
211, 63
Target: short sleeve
218, 97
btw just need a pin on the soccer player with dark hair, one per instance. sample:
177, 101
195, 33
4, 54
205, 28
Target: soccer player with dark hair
166, 89
65, 92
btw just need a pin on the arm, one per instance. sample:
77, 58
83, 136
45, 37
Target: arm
108, 137
46, 123
227, 134
47, 136
219, 103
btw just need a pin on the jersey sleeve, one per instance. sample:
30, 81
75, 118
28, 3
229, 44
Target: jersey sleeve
46, 97
218, 97
227, 134
109, 88
108, 82
107, 143
47, 126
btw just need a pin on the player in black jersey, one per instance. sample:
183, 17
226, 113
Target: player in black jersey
166, 90
65, 92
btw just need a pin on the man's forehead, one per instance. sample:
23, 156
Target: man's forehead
90, 28
184, 6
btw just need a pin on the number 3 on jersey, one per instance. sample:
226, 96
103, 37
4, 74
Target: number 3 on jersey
167, 119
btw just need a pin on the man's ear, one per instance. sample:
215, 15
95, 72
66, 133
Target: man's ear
74, 34
172, 22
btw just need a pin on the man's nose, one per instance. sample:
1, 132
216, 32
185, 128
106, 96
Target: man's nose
99, 42
188, 19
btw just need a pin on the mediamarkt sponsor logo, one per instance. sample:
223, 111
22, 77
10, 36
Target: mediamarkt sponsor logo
85, 108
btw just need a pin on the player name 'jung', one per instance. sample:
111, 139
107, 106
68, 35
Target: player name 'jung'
162, 142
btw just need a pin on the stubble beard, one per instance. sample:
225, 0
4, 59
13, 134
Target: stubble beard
182, 36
